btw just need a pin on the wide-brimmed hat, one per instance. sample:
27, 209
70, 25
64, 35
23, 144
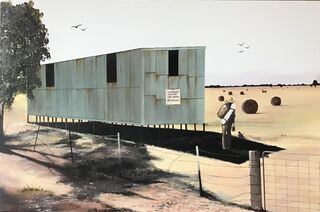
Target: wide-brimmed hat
230, 100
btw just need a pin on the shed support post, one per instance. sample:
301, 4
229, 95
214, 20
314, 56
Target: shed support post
28, 118
112, 128
173, 126
203, 127
255, 180
141, 133
186, 127
180, 126
125, 131
159, 133
195, 127
36, 119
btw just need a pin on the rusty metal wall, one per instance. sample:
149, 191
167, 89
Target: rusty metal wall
81, 90
138, 96
190, 82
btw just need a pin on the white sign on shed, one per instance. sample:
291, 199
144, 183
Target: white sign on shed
173, 97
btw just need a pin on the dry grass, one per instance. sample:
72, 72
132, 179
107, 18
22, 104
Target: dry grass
35, 190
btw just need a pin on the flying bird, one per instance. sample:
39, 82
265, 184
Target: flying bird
240, 44
83, 29
76, 26
247, 47
241, 51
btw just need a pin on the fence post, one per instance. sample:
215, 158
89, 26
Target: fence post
35, 142
255, 180
119, 153
199, 172
70, 143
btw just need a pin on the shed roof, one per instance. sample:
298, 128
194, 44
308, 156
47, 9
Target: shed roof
143, 48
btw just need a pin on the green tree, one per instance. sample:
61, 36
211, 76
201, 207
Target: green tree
23, 45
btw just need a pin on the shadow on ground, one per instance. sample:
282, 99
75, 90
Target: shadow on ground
92, 173
175, 139
7, 201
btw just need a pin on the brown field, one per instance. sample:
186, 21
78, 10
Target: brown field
293, 126
292, 175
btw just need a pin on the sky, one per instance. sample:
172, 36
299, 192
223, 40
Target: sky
284, 37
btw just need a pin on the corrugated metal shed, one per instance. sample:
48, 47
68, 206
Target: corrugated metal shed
138, 97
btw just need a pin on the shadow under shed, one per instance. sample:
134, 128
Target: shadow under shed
174, 139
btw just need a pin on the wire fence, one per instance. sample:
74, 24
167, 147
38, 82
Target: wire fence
229, 182
292, 185
289, 184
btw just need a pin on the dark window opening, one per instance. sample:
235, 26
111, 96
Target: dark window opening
50, 75
173, 62
112, 67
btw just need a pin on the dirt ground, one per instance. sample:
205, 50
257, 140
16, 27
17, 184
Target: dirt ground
292, 175
46, 180
171, 182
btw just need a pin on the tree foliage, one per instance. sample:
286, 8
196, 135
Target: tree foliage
23, 45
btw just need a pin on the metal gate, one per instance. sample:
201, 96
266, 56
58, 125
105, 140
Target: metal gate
291, 181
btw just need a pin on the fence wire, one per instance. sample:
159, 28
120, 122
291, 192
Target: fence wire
215, 175
292, 185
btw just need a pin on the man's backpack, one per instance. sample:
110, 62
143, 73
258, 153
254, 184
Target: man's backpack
223, 110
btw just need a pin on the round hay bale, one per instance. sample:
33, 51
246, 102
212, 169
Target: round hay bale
276, 101
221, 98
241, 93
250, 106
230, 92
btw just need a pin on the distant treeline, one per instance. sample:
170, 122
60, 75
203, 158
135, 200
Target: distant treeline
314, 83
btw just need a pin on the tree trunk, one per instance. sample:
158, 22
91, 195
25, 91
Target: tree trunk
1, 119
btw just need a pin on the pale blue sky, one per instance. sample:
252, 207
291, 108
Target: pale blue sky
284, 36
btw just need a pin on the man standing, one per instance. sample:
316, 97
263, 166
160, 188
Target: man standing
227, 115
